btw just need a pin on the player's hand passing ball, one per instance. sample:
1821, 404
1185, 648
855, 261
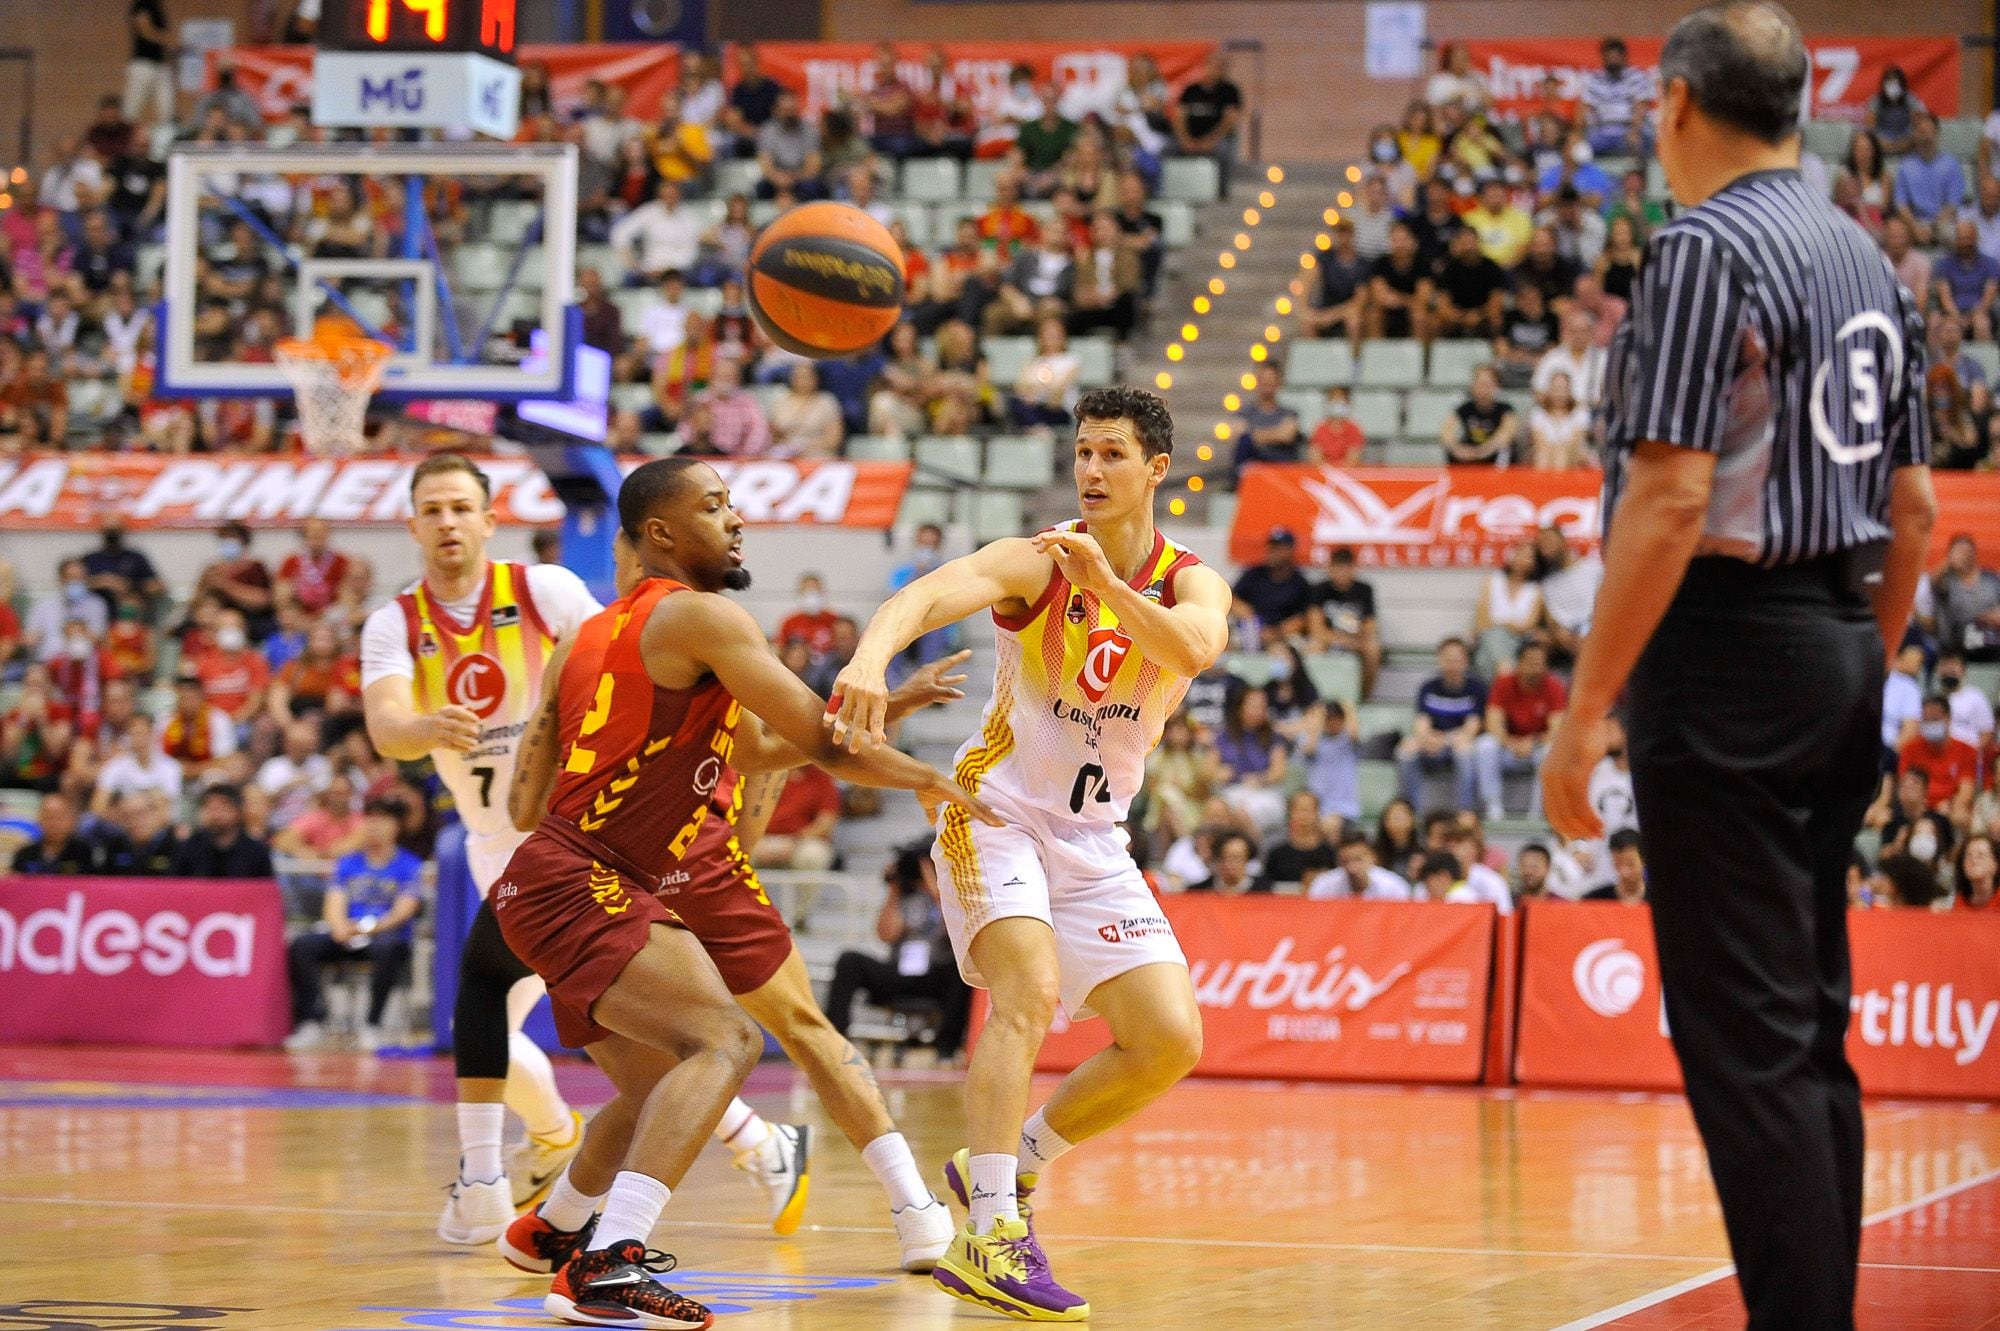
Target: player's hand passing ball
1573, 755
1079, 557
454, 727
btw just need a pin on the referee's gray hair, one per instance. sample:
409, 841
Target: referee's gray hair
1744, 64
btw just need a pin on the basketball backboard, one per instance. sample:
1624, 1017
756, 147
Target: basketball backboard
446, 251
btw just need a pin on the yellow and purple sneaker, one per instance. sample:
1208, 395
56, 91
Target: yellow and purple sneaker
1006, 1272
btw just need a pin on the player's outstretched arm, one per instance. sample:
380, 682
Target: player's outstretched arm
399, 731
541, 744
1009, 573
714, 633
927, 686
1184, 638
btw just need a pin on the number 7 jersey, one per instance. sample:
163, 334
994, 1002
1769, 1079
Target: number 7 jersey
1076, 707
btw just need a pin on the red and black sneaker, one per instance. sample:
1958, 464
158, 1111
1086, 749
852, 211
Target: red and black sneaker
533, 1244
615, 1287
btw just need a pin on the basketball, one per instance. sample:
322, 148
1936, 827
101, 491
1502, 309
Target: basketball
826, 279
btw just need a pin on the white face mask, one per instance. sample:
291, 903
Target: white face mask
231, 639
1923, 841
812, 602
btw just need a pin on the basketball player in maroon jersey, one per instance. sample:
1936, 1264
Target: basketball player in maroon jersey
649, 697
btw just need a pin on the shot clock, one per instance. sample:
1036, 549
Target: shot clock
430, 64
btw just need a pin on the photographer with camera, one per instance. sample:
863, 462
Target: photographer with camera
920, 965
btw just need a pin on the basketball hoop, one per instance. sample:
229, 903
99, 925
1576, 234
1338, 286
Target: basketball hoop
332, 379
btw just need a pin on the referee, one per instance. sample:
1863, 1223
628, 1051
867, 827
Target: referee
1767, 510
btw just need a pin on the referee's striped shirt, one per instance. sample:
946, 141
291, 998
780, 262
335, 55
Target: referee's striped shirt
1768, 328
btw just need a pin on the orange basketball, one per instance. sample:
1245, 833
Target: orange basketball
826, 279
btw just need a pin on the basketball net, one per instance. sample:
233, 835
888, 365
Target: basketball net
332, 379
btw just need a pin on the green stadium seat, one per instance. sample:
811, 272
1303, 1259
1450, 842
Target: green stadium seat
479, 267
1006, 357
1987, 354
996, 513
150, 261
1310, 403
1319, 363
876, 448
659, 445
1959, 137
1454, 359
1392, 363
979, 178
924, 504
916, 219
1096, 361
949, 459
1378, 787
930, 179
737, 175
1381, 718
534, 273
608, 262
1379, 414
1176, 222
631, 397
510, 220
1020, 462
1253, 668
1827, 139
762, 211
705, 301
946, 217
1191, 180
1426, 410
1984, 677
1335, 675
632, 303
1413, 453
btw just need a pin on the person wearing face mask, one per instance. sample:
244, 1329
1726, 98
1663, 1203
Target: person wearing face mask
1913, 828
233, 674
1971, 711
1892, 112
1951, 764
241, 580
116, 567
77, 672
812, 622
1385, 156
927, 555
48, 620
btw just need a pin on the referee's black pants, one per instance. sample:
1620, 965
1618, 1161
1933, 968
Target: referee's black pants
1754, 723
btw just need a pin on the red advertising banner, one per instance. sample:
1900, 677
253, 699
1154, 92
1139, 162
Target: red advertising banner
1925, 1008
143, 961
1467, 517
1086, 74
1846, 71
52, 491
1325, 990
280, 77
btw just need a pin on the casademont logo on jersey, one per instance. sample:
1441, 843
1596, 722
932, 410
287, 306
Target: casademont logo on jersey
478, 684
1101, 659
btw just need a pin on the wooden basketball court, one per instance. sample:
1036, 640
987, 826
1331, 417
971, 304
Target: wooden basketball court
155, 1188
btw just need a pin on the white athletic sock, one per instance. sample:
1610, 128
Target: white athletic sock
993, 1191
1041, 1145
566, 1208
531, 1090
743, 1129
479, 1128
896, 1169
631, 1209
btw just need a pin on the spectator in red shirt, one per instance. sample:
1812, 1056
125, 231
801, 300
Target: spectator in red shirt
1007, 224
1522, 710
195, 733
812, 623
233, 674
800, 835
892, 108
1952, 763
1337, 440
311, 576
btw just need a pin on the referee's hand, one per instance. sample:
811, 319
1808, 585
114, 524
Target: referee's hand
1573, 755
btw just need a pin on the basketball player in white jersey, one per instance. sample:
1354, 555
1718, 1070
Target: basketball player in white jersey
452, 670
1100, 625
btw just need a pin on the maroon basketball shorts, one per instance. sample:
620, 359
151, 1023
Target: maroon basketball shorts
716, 895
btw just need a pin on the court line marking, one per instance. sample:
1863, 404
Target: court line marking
1659, 1296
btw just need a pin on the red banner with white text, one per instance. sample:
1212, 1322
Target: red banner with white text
142, 961
1086, 75
1925, 1011
1846, 71
280, 77
1468, 517
1325, 990
53, 491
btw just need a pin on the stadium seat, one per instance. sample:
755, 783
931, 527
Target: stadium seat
1335, 675
949, 459
511, 219
1253, 668
1381, 718
737, 175
608, 262
877, 448
946, 217
479, 267
979, 178
1096, 361
768, 396
534, 272
1191, 180
1982, 676
1827, 139
1392, 363
916, 220
632, 303
1020, 462
1319, 363
930, 179
1426, 409
659, 445
1454, 359
1378, 787
922, 505
1959, 137
705, 301
709, 212
995, 513
762, 211
1987, 354
1006, 357
1176, 222
1379, 414
631, 397
1310, 403
1413, 454
150, 262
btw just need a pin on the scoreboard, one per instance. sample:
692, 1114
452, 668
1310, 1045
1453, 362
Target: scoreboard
427, 64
